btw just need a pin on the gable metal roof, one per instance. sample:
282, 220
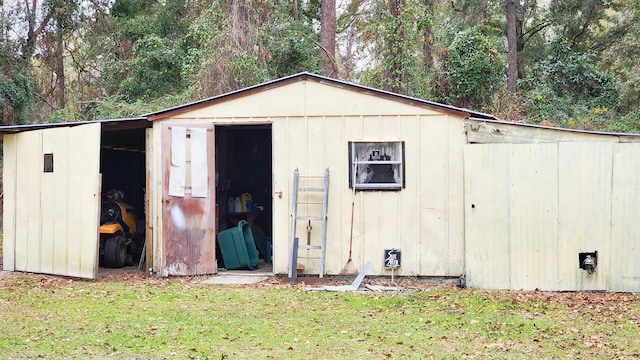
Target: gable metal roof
306, 76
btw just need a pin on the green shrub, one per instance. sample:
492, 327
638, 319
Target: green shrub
473, 69
629, 123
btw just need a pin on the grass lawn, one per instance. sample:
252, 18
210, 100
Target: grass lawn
140, 317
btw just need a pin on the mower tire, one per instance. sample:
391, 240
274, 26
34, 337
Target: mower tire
115, 252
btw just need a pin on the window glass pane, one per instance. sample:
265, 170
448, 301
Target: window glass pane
378, 174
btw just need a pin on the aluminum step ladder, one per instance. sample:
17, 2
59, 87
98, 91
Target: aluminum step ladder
314, 205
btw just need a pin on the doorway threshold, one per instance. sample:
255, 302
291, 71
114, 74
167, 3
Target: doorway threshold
242, 277
264, 269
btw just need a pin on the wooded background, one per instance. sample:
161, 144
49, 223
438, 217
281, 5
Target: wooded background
567, 63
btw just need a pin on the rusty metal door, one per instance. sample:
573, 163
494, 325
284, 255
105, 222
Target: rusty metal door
188, 199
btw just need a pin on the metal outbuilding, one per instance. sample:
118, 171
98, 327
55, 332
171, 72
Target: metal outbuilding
454, 191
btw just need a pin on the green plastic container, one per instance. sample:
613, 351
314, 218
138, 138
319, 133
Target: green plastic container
244, 229
234, 250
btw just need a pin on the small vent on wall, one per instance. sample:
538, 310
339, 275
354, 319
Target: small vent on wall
48, 163
588, 261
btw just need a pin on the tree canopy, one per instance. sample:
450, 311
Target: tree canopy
567, 63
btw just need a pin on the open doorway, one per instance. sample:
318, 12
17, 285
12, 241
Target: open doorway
244, 184
122, 217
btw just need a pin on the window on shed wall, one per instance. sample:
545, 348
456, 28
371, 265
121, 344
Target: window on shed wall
376, 165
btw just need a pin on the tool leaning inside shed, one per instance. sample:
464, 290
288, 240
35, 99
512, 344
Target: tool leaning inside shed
311, 204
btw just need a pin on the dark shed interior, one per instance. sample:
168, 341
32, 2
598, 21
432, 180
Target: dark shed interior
122, 164
244, 166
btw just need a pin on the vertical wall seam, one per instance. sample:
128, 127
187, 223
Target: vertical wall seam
611, 221
558, 215
447, 209
421, 233
509, 208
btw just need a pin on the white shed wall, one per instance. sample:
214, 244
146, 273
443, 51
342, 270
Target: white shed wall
625, 227
532, 208
51, 223
301, 99
424, 219
312, 124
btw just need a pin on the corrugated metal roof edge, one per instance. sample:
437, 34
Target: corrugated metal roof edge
514, 123
11, 129
162, 114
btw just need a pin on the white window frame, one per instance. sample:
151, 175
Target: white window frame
365, 154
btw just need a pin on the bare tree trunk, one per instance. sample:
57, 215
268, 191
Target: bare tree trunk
239, 27
33, 32
59, 69
395, 75
512, 45
427, 46
522, 71
328, 37
295, 10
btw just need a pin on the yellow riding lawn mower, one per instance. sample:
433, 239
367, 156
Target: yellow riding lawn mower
120, 242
